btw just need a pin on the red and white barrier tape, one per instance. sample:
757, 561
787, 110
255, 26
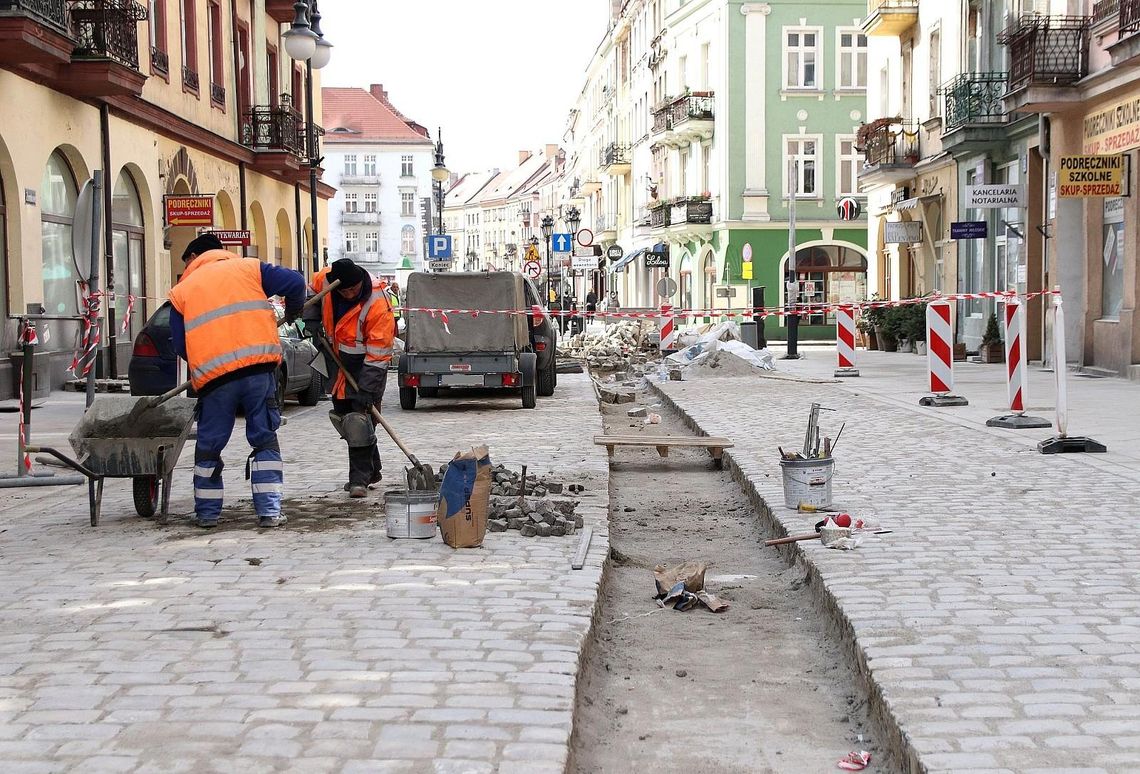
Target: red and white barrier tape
127, 317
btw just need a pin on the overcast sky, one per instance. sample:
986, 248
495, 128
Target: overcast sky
497, 75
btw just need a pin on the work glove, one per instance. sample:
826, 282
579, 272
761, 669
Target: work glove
293, 314
362, 402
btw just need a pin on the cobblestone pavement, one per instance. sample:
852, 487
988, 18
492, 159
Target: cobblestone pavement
998, 625
323, 646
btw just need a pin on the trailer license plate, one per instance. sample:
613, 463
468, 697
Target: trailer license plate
462, 380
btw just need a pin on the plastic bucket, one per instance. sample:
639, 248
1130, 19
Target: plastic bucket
410, 514
808, 481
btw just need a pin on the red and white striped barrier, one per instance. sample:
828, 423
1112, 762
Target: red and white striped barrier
668, 328
1016, 371
845, 341
940, 356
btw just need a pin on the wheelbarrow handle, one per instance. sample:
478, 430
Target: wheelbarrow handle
86, 471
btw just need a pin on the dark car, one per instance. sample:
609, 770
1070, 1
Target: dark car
153, 369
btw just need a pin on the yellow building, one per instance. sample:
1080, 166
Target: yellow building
177, 97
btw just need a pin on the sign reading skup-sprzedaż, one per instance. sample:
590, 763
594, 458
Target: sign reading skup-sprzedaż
1082, 176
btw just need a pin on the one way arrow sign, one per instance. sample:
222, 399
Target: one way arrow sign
562, 243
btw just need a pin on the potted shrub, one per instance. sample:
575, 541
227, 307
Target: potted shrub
885, 330
915, 323
992, 349
867, 329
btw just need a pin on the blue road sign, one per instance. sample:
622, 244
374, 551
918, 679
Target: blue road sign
439, 247
562, 243
968, 229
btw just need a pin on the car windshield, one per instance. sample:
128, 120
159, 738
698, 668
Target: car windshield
161, 318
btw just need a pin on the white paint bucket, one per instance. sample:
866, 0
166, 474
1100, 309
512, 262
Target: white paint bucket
808, 481
410, 514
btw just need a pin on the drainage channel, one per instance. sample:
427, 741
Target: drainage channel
760, 687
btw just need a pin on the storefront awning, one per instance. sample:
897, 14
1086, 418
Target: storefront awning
627, 259
914, 201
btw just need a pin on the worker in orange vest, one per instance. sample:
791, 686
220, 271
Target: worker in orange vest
357, 320
222, 323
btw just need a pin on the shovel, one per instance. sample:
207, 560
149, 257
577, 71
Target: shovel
144, 404
421, 477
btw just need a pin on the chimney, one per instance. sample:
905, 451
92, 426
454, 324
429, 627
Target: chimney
377, 91
523, 156
551, 151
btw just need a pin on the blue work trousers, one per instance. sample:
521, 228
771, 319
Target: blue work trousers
256, 395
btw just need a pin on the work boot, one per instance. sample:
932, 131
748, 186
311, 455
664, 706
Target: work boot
205, 523
377, 477
358, 490
271, 521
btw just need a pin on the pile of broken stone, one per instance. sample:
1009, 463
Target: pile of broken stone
533, 512
612, 349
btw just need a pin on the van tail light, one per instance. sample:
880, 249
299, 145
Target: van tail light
144, 347
512, 380
410, 380
540, 346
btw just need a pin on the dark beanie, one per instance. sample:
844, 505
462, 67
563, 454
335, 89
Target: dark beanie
201, 244
347, 272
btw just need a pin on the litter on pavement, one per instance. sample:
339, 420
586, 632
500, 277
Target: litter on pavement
855, 761
683, 588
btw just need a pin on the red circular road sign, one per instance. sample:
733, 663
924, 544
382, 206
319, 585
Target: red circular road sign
532, 269
585, 237
848, 208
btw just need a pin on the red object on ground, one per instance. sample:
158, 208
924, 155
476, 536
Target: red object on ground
855, 761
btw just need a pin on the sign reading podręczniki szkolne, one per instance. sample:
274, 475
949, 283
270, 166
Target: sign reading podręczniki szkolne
1114, 128
1081, 176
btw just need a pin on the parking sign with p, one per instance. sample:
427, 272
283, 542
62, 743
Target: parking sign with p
439, 247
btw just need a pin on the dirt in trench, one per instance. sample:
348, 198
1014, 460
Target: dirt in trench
757, 688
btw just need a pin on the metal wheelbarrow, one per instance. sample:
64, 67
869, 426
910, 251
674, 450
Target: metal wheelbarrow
109, 443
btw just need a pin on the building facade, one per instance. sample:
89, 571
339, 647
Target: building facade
174, 98
380, 162
697, 122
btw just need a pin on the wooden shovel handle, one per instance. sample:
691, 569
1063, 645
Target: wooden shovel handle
791, 539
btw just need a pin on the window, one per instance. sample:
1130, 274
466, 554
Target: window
127, 247
370, 165
706, 167
217, 75
370, 202
159, 61
706, 82
274, 83
371, 242
350, 203
850, 160
58, 193
408, 241
189, 26
407, 204
350, 165
801, 155
683, 172
852, 58
1112, 274
351, 241
406, 166
885, 90
801, 60
935, 80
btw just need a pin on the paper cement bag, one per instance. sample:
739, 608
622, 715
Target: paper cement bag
464, 499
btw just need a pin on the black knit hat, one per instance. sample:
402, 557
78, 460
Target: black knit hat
347, 272
201, 244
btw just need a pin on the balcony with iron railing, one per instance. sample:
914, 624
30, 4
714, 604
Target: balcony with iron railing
281, 138
159, 61
614, 159
659, 215
890, 148
890, 17
692, 116
105, 61
1105, 13
662, 118
190, 79
1047, 55
1126, 49
359, 218
974, 116
35, 32
217, 94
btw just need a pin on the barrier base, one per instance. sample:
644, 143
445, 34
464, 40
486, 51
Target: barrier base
943, 401
1071, 445
1018, 422
846, 372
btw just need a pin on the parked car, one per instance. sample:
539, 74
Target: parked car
154, 367
486, 350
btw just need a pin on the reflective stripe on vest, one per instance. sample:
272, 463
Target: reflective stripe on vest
228, 309
231, 357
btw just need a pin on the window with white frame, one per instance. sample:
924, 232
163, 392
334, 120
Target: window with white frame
852, 58
351, 241
803, 151
408, 240
802, 57
370, 165
371, 242
406, 166
350, 203
370, 202
350, 164
849, 160
407, 204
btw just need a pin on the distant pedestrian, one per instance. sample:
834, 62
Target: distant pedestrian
591, 305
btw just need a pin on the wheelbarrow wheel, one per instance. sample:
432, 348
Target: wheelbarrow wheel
146, 493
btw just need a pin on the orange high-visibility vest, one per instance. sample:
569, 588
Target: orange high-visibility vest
367, 329
230, 324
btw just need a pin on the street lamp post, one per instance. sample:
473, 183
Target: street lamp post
547, 231
573, 220
439, 175
305, 42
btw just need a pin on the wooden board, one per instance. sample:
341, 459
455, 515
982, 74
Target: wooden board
663, 443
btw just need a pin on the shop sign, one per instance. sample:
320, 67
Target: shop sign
1081, 176
994, 197
193, 210
900, 195
241, 238
903, 232
657, 260
1113, 210
969, 229
1113, 129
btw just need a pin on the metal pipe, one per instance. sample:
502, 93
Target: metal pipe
108, 240
242, 195
97, 184
313, 162
53, 480
300, 232
793, 281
